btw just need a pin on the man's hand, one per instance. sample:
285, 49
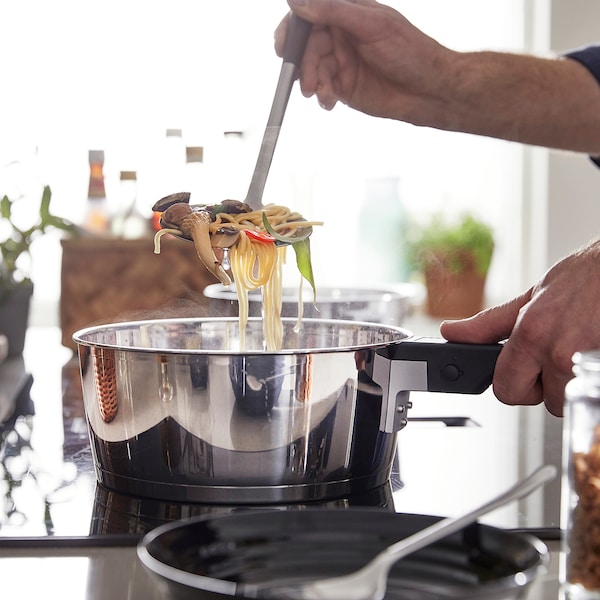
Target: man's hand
544, 327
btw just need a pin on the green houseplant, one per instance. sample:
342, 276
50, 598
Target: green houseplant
16, 287
454, 257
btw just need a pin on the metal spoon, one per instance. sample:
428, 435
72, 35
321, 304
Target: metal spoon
295, 44
370, 582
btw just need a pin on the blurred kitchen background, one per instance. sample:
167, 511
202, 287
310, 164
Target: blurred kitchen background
116, 75
77, 75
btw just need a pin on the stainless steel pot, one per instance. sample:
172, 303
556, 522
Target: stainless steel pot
388, 305
176, 411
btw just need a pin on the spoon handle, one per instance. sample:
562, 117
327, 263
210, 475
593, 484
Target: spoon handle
297, 37
295, 42
451, 525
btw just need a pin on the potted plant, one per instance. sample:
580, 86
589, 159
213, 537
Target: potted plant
454, 258
16, 287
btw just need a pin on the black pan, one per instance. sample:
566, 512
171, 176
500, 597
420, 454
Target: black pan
220, 556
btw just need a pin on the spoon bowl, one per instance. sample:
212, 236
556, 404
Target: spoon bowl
299, 234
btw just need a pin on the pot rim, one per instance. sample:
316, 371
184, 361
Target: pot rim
395, 336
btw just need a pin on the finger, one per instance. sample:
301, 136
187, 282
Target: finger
517, 376
280, 34
344, 13
554, 383
325, 91
490, 325
318, 63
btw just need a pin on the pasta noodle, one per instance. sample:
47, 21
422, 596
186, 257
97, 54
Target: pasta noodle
253, 265
256, 264
256, 261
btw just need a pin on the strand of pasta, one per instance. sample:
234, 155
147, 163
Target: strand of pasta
253, 265
272, 301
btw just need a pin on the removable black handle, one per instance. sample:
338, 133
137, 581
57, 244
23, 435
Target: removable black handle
296, 39
451, 367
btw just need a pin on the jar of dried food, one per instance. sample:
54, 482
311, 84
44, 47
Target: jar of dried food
580, 557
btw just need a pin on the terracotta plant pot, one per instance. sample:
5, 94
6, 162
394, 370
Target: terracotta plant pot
453, 294
14, 317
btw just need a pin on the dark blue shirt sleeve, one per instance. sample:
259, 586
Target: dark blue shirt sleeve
589, 57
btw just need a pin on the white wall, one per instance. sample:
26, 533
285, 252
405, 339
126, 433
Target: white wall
561, 194
573, 180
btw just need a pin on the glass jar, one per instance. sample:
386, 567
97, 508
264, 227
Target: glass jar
580, 520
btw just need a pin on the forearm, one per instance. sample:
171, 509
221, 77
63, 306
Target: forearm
545, 102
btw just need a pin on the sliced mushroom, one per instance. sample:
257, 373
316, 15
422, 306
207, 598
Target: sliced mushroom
164, 203
196, 226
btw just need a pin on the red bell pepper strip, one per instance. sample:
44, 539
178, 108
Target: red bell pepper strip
259, 236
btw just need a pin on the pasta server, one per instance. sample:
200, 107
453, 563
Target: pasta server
295, 44
221, 239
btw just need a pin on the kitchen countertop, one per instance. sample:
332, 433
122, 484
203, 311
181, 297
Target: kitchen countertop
114, 572
87, 567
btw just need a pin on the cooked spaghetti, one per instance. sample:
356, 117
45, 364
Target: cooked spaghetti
249, 241
255, 265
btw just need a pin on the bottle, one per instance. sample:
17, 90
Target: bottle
194, 175
233, 177
172, 162
580, 494
96, 220
381, 255
169, 170
129, 222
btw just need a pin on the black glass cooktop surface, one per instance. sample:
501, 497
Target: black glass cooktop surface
49, 492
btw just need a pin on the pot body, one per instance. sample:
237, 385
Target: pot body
176, 411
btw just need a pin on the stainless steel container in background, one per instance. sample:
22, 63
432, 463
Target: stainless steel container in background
388, 305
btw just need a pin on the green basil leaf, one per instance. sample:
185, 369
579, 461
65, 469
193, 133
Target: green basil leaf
271, 231
302, 250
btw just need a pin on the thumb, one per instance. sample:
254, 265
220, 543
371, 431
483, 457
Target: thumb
344, 13
489, 326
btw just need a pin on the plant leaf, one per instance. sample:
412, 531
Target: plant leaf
45, 203
5, 207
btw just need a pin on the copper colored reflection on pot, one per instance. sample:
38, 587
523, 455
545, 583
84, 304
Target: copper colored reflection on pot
105, 379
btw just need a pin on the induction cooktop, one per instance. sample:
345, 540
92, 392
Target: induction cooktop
49, 492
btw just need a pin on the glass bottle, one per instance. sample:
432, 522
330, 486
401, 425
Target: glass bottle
381, 255
96, 220
129, 222
172, 163
580, 502
194, 175
169, 169
233, 177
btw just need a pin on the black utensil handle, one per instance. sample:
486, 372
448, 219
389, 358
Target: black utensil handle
296, 39
451, 367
